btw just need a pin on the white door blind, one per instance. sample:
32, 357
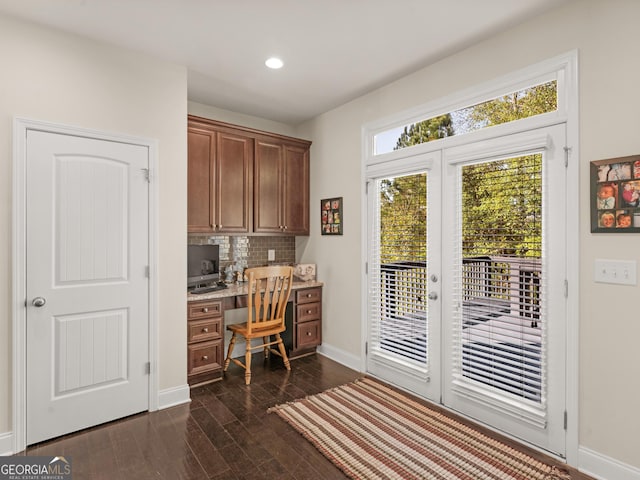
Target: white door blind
499, 327
398, 270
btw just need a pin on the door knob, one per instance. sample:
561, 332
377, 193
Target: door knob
38, 302
433, 296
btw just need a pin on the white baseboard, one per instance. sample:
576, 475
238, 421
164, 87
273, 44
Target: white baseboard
605, 468
171, 397
6, 444
347, 359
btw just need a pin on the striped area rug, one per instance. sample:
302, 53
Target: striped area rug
372, 432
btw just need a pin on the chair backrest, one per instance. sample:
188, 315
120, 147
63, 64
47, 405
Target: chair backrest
268, 292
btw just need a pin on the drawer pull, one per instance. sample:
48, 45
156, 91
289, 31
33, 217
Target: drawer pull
309, 295
205, 309
205, 330
308, 311
308, 334
205, 357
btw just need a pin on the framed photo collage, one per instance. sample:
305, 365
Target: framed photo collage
615, 195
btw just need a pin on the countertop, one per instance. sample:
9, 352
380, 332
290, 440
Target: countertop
240, 288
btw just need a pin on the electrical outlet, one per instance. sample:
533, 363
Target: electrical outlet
619, 272
271, 255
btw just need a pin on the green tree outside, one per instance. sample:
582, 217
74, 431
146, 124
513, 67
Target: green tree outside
501, 204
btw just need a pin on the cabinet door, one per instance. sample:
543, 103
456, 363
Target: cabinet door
233, 183
295, 207
267, 188
201, 154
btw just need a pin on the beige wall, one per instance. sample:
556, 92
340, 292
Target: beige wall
605, 33
54, 77
249, 121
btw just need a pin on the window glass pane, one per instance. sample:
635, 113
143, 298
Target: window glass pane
524, 103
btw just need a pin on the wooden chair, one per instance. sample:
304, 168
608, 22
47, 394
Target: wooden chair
268, 291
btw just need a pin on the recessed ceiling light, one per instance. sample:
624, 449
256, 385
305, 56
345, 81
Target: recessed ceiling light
274, 63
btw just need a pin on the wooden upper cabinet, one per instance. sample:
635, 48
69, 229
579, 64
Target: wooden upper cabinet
246, 181
220, 181
296, 190
233, 184
281, 188
268, 179
201, 147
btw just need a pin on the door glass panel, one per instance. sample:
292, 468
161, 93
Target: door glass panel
500, 327
399, 286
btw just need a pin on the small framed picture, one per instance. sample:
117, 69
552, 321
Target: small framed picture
331, 216
615, 195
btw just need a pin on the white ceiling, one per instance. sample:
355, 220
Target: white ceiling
334, 50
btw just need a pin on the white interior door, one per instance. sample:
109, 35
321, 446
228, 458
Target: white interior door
403, 344
87, 323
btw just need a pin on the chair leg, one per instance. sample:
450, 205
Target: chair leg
232, 343
265, 340
283, 352
247, 365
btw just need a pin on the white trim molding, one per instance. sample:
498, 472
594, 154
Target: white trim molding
605, 468
171, 397
338, 355
19, 383
6, 444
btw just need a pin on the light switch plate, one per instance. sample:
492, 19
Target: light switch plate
619, 272
271, 255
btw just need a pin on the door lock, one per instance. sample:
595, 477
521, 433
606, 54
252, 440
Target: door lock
38, 302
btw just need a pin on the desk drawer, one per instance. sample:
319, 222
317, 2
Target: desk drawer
308, 334
207, 308
204, 356
207, 329
308, 311
309, 295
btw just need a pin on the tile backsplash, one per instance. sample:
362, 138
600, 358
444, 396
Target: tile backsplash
248, 251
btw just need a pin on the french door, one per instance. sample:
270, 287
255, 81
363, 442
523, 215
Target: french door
476, 319
403, 344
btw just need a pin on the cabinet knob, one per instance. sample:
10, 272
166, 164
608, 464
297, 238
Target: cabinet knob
205, 329
205, 309
308, 311
309, 295
205, 357
308, 334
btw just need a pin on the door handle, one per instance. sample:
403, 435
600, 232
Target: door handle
38, 302
433, 296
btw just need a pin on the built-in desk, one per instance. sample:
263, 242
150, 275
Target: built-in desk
205, 326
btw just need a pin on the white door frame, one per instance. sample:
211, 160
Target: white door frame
20, 128
566, 68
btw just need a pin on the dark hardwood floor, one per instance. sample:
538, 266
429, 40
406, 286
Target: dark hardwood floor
224, 433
